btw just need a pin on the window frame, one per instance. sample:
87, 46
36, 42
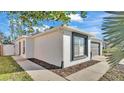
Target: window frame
85, 46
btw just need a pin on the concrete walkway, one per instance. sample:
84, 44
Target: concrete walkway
92, 73
37, 72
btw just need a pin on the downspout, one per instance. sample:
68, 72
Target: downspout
62, 64
91, 55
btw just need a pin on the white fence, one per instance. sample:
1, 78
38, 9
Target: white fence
8, 50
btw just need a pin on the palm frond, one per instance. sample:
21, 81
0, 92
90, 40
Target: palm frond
113, 27
115, 12
116, 57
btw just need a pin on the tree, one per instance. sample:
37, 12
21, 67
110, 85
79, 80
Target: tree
113, 27
15, 26
4, 39
22, 23
7, 40
1, 36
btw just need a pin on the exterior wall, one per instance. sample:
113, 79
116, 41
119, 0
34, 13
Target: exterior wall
53, 48
1, 49
17, 47
16, 50
48, 48
67, 50
8, 50
101, 47
89, 48
100, 42
29, 47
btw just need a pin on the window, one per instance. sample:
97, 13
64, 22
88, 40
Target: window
79, 46
24, 47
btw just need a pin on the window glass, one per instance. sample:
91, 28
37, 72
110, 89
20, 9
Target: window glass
79, 46
76, 46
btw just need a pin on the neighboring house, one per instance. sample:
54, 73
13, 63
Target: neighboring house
7, 49
60, 46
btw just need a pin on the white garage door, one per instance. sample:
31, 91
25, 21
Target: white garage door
95, 48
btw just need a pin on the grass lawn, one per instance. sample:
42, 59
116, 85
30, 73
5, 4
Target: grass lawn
10, 70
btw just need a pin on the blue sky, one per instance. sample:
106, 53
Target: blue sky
91, 24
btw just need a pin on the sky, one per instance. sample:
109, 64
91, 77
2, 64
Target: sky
91, 24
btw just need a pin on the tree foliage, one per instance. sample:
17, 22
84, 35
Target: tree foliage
4, 39
1, 36
22, 22
113, 27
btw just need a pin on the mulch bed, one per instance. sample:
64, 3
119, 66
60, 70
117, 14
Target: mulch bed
72, 69
44, 64
65, 71
114, 74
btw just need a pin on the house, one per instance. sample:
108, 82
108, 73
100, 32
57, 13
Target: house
62, 46
6, 49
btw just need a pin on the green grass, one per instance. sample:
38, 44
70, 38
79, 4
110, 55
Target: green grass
10, 70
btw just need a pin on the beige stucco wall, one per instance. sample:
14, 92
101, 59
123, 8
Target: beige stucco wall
8, 49
53, 47
67, 53
29, 48
48, 48
16, 51
101, 47
17, 47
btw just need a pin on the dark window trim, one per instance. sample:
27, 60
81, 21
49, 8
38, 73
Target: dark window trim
96, 43
85, 49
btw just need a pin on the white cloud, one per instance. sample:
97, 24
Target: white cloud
42, 28
74, 26
76, 18
94, 31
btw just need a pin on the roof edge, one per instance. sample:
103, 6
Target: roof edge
59, 28
68, 28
